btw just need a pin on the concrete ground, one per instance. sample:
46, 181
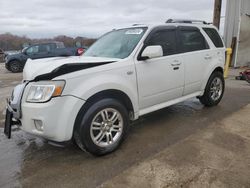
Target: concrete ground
185, 145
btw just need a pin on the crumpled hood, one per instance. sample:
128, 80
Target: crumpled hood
34, 68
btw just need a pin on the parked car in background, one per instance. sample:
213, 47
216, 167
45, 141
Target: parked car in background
15, 62
2, 55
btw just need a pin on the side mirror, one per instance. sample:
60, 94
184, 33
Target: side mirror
152, 52
24, 52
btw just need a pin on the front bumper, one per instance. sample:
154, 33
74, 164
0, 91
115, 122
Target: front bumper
55, 118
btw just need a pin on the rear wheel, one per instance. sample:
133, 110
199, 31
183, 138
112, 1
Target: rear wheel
214, 90
248, 79
101, 129
15, 66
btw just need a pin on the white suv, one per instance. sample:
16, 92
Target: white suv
127, 73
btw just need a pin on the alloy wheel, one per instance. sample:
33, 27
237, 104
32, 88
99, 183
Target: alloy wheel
106, 127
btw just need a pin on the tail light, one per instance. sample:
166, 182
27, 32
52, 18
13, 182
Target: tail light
80, 51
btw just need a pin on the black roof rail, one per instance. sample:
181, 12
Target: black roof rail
186, 21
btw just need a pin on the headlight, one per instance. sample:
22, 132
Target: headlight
43, 91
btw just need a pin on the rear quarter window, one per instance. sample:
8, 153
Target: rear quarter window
214, 36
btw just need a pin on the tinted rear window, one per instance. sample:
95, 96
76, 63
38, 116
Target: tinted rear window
192, 40
214, 36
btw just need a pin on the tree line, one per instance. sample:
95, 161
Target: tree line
9, 41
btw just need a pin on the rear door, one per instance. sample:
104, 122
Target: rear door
195, 55
160, 79
218, 49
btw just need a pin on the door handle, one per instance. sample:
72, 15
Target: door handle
208, 57
176, 63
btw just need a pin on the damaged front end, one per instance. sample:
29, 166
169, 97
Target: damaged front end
13, 109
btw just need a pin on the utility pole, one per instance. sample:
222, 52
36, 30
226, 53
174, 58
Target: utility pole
217, 13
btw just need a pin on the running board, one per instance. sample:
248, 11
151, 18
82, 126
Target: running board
168, 103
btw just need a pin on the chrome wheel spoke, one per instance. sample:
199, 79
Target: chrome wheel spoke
117, 126
103, 116
106, 115
114, 130
212, 90
109, 138
114, 117
96, 126
99, 137
218, 82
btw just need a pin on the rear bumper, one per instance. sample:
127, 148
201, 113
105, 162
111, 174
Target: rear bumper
55, 118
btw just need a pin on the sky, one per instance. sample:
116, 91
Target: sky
92, 18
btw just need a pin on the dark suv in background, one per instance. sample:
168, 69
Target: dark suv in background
15, 62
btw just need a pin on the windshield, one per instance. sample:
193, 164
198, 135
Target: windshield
117, 43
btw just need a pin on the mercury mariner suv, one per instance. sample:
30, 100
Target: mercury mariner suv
128, 72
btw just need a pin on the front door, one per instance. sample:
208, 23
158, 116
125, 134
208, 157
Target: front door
39, 51
160, 79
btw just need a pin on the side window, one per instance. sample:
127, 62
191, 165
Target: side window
52, 46
32, 50
166, 39
43, 48
214, 36
192, 40
60, 45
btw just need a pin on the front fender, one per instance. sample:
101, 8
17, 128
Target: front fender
19, 59
85, 87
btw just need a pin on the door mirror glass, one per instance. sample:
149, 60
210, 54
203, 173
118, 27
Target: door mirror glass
152, 52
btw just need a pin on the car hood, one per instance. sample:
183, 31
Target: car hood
34, 68
13, 56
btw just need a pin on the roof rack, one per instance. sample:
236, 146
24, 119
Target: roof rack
137, 24
186, 21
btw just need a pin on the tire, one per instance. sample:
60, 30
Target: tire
248, 79
93, 131
238, 78
15, 66
214, 90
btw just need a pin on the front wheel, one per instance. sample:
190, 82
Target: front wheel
15, 66
214, 90
101, 129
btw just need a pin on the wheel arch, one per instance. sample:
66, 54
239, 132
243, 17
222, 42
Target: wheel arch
112, 93
11, 60
218, 69
215, 69
14, 59
109, 93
